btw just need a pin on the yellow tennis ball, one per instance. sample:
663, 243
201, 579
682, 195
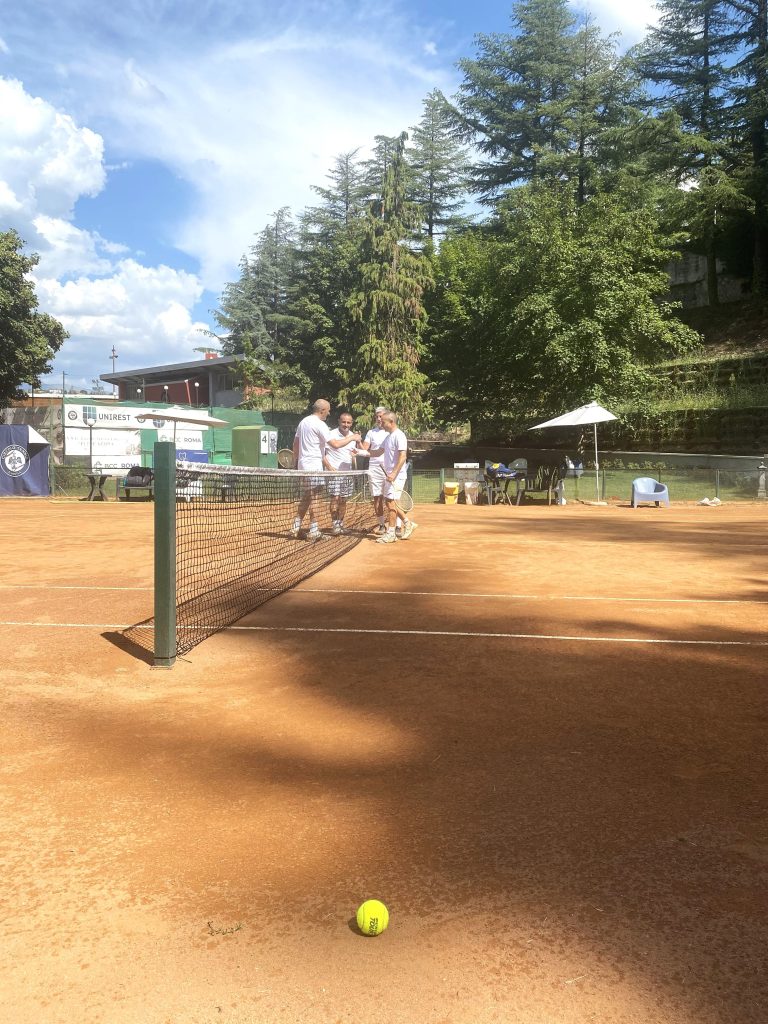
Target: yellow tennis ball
372, 917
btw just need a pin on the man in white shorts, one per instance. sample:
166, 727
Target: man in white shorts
309, 445
395, 454
339, 460
374, 441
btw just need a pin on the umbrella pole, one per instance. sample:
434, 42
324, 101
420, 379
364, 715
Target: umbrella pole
597, 465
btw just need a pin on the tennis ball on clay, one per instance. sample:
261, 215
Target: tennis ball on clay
372, 917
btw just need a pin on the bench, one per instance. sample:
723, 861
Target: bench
139, 478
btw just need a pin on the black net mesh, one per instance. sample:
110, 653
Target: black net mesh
236, 546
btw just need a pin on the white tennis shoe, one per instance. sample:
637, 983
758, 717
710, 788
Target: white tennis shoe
408, 529
387, 538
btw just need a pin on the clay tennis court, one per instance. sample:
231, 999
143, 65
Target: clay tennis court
537, 734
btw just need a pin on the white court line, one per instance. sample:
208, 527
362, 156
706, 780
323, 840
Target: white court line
56, 586
408, 632
528, 597
429, 593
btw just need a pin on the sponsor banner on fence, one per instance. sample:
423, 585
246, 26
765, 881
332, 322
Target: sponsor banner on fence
123, 417
116, 440
115, 448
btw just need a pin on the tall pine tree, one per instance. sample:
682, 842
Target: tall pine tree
439, 167
257, 313
514, 100
688, 56
387, 308
750, 35
327, 262
546, 102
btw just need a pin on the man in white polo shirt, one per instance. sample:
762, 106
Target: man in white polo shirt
395, 454
309, 445
374, 441
339, 460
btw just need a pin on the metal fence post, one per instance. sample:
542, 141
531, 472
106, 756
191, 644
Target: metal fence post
165, 554
761, 469
717, 483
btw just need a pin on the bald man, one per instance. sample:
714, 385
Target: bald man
309, 445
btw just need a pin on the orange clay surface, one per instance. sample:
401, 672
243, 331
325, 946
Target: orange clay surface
565, 825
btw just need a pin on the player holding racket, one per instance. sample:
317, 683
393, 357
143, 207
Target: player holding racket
374, 442
395, 451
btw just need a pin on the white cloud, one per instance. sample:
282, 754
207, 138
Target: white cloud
253, 125
66, 249
630, 17
430, 49
47, 162
4, 48
143, 311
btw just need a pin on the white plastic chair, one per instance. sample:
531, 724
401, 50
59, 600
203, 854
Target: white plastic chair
645, 488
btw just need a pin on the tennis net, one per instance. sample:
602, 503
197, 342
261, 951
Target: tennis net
235, 546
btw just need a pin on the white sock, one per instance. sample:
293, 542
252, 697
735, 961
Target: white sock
297, 523
313, 527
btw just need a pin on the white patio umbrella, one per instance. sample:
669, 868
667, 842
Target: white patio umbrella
176, 415
592, 413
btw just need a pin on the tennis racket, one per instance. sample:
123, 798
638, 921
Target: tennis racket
285, 458
405, 501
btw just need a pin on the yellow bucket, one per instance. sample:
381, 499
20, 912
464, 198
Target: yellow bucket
451, 492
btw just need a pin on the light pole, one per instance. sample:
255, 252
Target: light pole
165, 392
114, 357
91, 424
197, 394
138, 394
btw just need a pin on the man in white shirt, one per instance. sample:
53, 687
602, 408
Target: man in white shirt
374, 441
309, 445
394, 457
339, 460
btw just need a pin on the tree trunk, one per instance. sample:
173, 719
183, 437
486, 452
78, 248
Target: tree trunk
713, 296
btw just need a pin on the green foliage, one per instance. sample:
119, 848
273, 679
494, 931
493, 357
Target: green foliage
387, 307
327, 267
258, 314
749, 38
28, 339
545, 102
558, 304
560, 296
440, 167
687, 54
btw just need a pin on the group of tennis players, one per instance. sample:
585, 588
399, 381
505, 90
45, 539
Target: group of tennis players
317, 448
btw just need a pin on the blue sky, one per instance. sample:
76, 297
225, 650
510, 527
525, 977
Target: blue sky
143, 145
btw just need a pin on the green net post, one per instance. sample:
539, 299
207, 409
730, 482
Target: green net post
165, 554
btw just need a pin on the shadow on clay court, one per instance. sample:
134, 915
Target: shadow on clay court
608, 800
609, 797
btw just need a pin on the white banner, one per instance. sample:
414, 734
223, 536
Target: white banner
185, 437
116, 434
116, 448
120, 417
